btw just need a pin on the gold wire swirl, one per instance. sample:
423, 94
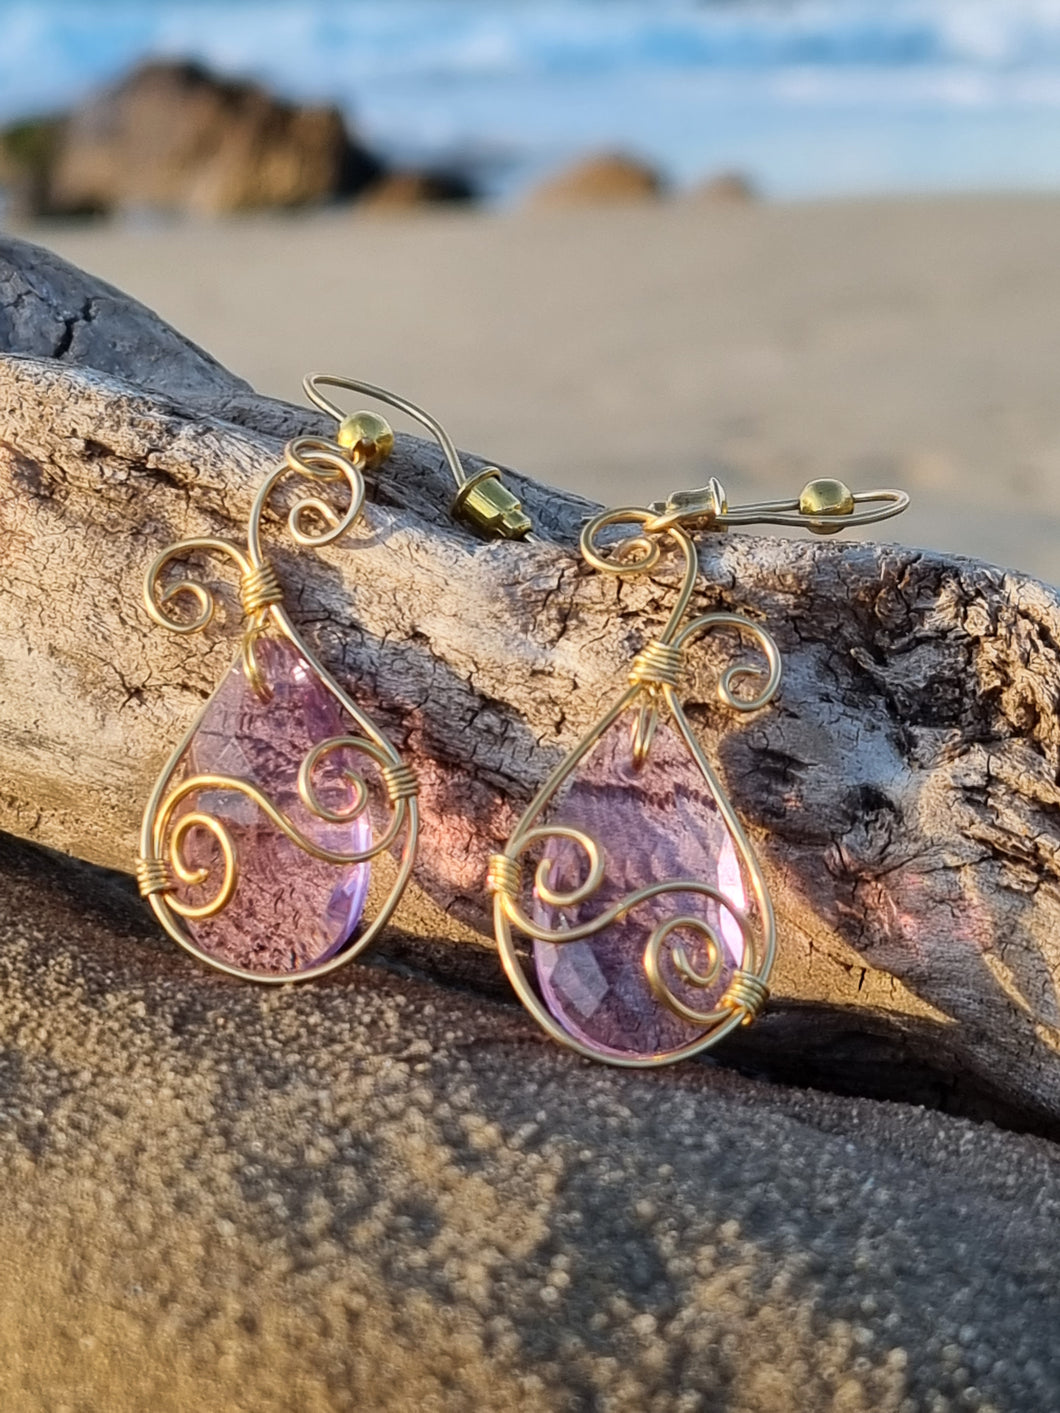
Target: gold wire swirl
316, 460
194, 877
653, 954
684, 967
505, 881
739, 671
307, 792
157, 598
552, 897
640, 553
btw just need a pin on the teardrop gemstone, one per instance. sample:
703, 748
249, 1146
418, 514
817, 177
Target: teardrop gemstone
290, 911
655, 824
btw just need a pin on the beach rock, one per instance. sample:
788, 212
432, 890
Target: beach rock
731, 187
602, 180
401, 191
28, 151
174, 137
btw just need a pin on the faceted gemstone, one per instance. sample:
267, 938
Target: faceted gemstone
655, 825
290, 910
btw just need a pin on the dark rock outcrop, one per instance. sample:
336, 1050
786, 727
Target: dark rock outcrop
28, 151
174, 137
727, 187
401, 191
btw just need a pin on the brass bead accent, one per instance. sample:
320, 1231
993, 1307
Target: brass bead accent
826, 497
369, 437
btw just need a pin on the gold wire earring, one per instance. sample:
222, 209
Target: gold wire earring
645, 951
651, 925
257, 840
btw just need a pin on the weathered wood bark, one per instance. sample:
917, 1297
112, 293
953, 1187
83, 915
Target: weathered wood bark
902, 793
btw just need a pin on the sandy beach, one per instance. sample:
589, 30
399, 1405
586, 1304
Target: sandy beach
627, 352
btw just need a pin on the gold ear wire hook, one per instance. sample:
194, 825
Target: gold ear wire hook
824, 507
482, 499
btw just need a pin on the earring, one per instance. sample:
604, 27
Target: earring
258, 838
651, 928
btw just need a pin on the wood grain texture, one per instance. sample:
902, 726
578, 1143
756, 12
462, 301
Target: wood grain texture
902, 791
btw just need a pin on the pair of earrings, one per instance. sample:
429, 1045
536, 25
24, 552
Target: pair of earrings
650, 928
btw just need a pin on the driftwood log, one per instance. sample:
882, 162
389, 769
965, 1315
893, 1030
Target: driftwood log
902, 792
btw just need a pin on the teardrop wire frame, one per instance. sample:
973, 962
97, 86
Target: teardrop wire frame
323, 461
759, 949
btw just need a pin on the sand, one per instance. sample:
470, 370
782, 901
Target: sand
625, 353
380, 1194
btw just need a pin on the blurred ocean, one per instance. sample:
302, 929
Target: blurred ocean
807, 97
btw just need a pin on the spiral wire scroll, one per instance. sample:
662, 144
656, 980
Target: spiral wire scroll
654, 679
163, 863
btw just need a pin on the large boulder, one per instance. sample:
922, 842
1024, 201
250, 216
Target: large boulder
28, 150
733, 188
609, 178
174, 137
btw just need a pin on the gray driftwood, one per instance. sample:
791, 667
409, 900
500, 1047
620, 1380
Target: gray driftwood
902, 792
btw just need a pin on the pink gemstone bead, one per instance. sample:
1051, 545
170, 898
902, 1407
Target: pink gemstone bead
655, 825
290, 911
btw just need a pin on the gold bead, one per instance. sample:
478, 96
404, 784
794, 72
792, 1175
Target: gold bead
368, 436
826, 497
